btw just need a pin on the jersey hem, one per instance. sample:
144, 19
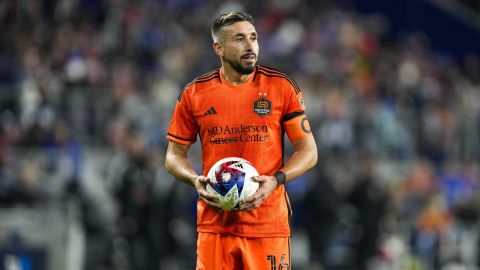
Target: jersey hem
275, 234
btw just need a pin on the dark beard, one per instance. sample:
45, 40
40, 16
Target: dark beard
242, 69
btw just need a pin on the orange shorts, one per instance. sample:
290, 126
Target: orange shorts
230, 252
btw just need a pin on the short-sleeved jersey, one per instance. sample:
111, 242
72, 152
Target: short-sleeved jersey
247, 121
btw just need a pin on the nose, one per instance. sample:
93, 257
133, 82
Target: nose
249, 45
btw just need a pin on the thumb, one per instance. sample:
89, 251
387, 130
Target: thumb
259, 178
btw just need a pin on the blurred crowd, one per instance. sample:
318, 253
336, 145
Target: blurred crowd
87, 88
471, 5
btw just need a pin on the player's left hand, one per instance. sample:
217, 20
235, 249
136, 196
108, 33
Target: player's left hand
267, 185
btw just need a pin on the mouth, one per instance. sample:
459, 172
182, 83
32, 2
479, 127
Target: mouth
249, 57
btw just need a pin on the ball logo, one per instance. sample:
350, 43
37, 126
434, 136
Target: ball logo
262, 107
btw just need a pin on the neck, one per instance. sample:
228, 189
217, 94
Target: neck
231, 75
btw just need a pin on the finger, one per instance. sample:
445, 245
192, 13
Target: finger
251, 203
259, 178
252, 198
213, 204
249, 200
247, 207
208, 196
204, 179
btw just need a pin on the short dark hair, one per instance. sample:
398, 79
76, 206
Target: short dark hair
228, 19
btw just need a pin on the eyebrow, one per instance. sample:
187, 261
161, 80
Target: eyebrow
245, 34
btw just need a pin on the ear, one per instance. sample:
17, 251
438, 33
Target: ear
217, 47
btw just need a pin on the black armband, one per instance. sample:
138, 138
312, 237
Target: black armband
281, 178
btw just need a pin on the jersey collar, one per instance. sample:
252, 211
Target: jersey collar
226, 82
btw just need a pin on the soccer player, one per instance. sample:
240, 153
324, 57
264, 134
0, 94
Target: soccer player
242, 110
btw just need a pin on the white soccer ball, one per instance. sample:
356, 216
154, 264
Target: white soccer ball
231, 179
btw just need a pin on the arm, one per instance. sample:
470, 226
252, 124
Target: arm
177, 165
304, 158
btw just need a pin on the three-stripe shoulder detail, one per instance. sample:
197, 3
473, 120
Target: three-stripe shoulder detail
205, 78
270, 72
201, 79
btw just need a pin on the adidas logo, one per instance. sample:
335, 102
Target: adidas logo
211, 111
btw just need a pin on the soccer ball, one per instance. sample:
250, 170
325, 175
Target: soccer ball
231, 179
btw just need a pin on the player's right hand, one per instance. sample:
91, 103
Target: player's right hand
200, 183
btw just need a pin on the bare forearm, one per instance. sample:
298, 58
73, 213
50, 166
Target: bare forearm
177, 164
181, 169
304, 158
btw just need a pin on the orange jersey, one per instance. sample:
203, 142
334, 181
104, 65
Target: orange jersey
247, 121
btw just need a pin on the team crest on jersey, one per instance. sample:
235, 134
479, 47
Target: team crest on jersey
262, 107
